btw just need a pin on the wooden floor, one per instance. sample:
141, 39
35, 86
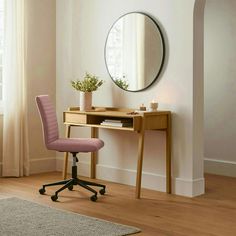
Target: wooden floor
155, 213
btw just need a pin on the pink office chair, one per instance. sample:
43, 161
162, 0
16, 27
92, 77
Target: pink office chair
72, 145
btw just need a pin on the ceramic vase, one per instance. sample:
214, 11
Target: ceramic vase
85, 101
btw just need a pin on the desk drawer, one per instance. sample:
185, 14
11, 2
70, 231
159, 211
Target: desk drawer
156, 122
75, 118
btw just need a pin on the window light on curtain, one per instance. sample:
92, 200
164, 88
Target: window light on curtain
15, 134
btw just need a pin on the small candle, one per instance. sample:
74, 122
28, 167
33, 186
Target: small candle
153, 105
142, 108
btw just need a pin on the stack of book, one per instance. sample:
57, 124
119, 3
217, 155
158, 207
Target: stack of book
117, 123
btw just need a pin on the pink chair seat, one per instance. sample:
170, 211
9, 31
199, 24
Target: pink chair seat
76, 145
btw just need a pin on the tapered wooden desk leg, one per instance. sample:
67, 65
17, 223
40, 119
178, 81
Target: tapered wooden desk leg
64, 174
168, 155
139, 165
94, 134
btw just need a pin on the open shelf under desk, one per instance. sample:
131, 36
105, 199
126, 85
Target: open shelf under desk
95, 118
101, 126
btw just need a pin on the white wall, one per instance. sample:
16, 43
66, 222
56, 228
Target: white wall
220, 87
82, 27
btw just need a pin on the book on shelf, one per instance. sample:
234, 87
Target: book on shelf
117, 121
117, 124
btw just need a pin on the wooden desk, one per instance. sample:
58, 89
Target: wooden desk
159, 120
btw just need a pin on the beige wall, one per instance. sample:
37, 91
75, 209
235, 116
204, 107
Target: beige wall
41, 75
41, 71
220, 87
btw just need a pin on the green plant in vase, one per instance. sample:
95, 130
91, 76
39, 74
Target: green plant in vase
86, 86
90, 83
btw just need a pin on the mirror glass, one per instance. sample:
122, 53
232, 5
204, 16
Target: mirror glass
134, 51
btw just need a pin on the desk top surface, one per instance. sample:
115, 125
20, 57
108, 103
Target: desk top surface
116, 112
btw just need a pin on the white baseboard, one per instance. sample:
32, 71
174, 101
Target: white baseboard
183, 187
42, 165
188, 187
219, 167
39, 165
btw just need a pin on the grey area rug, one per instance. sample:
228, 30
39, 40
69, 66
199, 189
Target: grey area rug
20, 217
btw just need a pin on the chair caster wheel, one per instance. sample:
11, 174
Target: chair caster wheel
102, 191
42, 190
54, 198
94, 198
70, 187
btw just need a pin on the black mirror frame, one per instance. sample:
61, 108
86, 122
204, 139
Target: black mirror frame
163, 57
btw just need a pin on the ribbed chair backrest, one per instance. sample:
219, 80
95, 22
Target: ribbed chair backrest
48, 118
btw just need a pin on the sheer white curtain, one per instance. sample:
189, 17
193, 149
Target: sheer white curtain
15, 135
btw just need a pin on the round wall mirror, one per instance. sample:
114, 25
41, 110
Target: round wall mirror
134, 51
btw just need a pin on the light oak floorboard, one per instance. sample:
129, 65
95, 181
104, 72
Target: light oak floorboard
156, 213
